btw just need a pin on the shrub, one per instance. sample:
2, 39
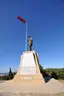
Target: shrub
54, 75
10, 75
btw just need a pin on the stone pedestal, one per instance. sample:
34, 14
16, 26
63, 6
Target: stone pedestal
29, 69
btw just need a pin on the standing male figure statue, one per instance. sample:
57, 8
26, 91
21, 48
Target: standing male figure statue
30, 43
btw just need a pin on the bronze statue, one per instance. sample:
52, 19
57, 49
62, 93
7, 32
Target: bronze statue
30, 43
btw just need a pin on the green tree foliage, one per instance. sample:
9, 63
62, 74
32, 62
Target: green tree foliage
43, 72
10, 74
57, 73
4, 77
14, 73
54, 75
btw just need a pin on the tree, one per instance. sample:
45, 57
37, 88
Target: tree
10, 74
54, 75
43, 72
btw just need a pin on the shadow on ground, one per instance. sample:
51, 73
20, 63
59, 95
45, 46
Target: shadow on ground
47, 79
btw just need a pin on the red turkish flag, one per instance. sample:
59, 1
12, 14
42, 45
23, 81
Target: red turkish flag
21, 19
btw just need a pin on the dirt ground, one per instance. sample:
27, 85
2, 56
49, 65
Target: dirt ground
62, 81
51, 88
30, 94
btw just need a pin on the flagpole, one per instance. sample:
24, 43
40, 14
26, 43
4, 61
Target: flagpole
24, 21
26, 38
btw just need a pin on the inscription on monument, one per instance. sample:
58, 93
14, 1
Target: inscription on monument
27, 78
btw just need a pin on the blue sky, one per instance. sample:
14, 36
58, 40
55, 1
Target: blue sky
45, 24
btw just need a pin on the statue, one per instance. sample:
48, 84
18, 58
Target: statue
30, 43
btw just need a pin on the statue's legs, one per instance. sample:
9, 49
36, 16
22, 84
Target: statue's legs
30, 48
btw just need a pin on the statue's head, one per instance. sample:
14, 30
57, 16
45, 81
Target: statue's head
29, 37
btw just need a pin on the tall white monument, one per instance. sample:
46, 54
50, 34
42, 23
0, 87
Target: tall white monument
28, 70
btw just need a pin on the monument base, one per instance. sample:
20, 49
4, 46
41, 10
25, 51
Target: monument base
29, 79
29, 71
